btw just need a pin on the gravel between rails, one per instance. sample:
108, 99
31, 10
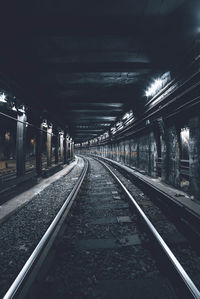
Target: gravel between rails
186, 255
77, 272
20, 234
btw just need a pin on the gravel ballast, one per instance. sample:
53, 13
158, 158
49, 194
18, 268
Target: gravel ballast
177, 241
78, 272
20, 234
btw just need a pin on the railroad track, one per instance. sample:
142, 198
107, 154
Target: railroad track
105, 247
188, 219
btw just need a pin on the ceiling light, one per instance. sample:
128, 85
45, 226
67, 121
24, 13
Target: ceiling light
153, 89
44, 124
3, 98
14, 108
127, 115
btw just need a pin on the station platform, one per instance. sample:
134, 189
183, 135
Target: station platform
16, 203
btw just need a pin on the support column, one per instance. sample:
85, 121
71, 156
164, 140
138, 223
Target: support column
138, 152
65, 148
39, 138
164, 150
194, 156
127, 152
20, 144
174, 156
56, 145
70, 149
133, 149
49, 148
153, 156
61, 147
81, 148
89, 148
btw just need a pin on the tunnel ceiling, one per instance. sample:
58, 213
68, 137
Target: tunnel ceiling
87, 62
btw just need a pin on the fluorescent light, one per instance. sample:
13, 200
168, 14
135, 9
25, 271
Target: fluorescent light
153, 89
128, 115
44, 124
14, 108
3, 98
129, 121
185, 135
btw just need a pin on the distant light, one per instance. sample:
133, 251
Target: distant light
7, 136
127, 115
153, 89
44, 124
113, 130
119, 124
106, 135
3, 98
130, 121
147, 122
185, 135
22, 110
158, 84
14, 108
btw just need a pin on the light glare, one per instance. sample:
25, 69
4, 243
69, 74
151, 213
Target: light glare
151, 91
3, 98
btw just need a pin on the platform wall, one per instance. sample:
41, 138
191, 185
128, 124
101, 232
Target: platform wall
142, 152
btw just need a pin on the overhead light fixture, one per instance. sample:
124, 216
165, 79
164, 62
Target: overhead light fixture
153, 89
7, 136
127, 115
158, 84
185, 135
147, 122
130, 121
14, 108
44, 124
3, 98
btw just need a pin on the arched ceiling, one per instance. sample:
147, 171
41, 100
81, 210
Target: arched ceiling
87, 62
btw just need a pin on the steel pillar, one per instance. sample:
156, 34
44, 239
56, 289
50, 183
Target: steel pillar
49, 148
20, 144
39, 138
56, 138
61, 147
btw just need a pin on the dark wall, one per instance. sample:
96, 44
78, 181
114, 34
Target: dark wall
165, 141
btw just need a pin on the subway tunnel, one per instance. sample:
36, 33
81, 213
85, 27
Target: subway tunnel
95, 95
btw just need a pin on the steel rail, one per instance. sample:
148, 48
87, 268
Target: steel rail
23, 275
130, 171
178, 267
